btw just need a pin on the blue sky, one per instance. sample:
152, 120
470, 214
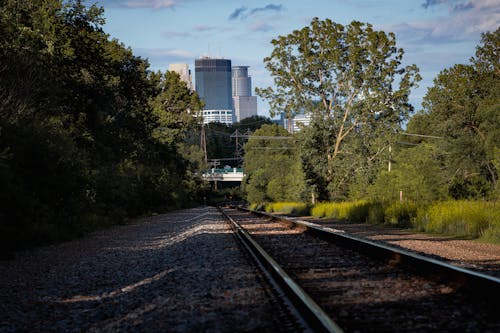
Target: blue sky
435, 34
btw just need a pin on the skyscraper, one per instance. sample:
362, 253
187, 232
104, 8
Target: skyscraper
184, 72
213, 84
245, 105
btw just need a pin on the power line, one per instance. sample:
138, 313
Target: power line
267, 137
407, 143
271, 148
222, 159
423, 136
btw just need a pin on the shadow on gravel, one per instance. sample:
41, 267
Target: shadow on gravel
178, 272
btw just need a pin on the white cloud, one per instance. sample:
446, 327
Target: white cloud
260, 26
133, 4
465, 21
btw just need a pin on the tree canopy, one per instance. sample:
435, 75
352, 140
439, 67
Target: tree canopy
463, 107
88, 134
272, 167
352, 82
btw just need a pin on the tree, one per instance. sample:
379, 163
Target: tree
88, 135
272, 167
252, 123
346, 77
417, 171
175, 107
462, 106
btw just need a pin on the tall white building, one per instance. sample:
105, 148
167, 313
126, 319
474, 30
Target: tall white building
184, 72
245, 105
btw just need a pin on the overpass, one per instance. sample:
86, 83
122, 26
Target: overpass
224, 175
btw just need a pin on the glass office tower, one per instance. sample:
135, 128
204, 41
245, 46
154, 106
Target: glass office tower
213, 83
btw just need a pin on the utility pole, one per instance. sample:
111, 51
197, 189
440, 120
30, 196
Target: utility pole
236, 150
390, 157
203, 142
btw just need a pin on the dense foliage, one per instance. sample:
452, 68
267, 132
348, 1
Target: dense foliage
459, 155
355, 150
272, 167
351, 81
222, 143
88, 135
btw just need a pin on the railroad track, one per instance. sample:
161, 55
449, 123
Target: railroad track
341, 283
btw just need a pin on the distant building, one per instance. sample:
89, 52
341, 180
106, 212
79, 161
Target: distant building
184, 72
293, 125
245, 105
213, 85
218, 116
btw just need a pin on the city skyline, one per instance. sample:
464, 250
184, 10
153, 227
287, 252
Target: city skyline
213, 83
435, 34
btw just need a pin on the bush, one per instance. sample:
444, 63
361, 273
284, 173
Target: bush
401, 214
461, 218
288, 208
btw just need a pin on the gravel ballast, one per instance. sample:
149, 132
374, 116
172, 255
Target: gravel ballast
178, 272
470, 254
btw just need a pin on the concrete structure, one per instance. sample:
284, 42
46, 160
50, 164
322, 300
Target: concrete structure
184, 72
245, 105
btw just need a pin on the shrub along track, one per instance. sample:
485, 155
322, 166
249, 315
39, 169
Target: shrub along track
376, 293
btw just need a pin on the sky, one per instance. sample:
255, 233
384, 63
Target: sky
435, 34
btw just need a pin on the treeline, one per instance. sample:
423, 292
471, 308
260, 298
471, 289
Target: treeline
222, 143
88, 134
364, 140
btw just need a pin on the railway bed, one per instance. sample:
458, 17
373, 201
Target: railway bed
364, 287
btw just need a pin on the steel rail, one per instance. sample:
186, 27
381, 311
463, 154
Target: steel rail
482, 285
311, 312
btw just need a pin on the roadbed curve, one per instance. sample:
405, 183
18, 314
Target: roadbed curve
178, 272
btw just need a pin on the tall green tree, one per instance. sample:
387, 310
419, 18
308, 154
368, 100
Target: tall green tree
352, 82
273, 168
462, 106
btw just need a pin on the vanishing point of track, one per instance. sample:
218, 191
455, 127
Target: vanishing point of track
342, 283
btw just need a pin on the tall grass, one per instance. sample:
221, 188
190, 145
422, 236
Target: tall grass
470, 219
289, 208
348, 210
401, 214
463, 218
